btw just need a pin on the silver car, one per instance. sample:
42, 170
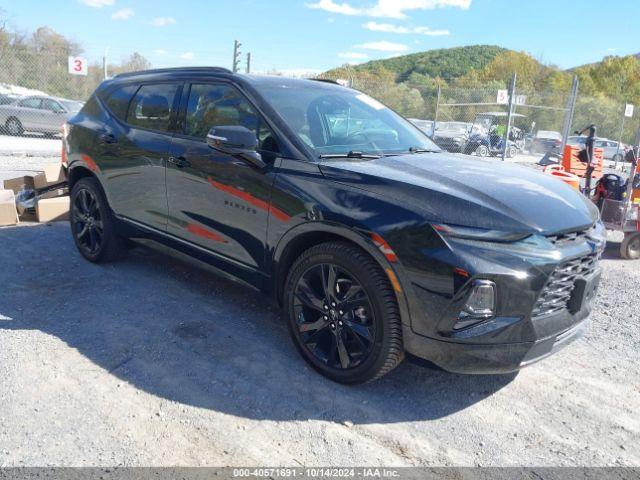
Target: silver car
40, 114
609, 147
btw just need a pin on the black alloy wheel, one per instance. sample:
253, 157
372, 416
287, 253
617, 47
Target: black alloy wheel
87, 221
334, 316
343, 314
92, 223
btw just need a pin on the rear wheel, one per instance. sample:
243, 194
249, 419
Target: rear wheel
342, 314
512, 152
630, 248
92, 223
14, 127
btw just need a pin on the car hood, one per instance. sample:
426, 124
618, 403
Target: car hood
470, 192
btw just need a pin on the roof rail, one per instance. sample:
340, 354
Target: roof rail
174, 69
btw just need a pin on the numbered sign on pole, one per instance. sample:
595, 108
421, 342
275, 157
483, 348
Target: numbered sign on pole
503, 97
628, 110
78, 66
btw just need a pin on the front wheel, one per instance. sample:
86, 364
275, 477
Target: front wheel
482, 151
630, 248
92, 223
342, 314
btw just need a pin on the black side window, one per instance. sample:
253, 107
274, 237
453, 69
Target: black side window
152, 107
118, 101
221, 105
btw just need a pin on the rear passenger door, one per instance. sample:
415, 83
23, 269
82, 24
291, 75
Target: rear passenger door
218, 201
134, 149
29, 113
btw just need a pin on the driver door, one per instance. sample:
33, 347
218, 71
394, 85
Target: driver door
215, 200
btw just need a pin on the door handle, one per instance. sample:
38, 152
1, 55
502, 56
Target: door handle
179, 162
109, 139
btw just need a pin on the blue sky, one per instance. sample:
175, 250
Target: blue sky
312, 35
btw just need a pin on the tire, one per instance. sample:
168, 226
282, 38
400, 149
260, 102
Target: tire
91, 219
14, 127
630, 247
482, 151
511, 152
617, 158
368, 326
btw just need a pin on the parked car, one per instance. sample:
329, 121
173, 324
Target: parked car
612, 149
452, 136
609, 147
427, 126
373, 240
37, 114
546, 141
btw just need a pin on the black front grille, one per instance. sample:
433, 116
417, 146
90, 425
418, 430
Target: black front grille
556, 293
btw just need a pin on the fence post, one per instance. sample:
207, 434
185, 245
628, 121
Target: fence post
615, 166
105, 73
435, 118
512, 95
571, 108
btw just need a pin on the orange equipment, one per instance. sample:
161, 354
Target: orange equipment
572, 164
559, 172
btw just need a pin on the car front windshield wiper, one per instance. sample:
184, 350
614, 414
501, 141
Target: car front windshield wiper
424, 150
351, 154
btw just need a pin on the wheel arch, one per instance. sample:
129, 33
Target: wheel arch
78, 172
299, 239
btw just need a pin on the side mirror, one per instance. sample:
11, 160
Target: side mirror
237, 141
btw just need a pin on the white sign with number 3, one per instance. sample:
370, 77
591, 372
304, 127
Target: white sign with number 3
78, 66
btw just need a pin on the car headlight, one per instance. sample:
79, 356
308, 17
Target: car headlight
481, 234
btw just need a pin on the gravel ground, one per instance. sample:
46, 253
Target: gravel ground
152, 362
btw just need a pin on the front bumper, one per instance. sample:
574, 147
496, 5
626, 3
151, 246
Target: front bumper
520, 334
491, 358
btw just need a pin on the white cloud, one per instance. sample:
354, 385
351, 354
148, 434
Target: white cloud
124, 14
187, 56
333, 7
388, 8
163, 21
385, 46
97, 3
160, 51
353, 55
389, 28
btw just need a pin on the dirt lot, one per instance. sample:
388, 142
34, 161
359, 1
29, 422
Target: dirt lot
151, 361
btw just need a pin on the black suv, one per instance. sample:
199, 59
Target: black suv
373, 240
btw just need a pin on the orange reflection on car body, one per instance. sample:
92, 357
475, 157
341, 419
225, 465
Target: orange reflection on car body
247, 197
205, 233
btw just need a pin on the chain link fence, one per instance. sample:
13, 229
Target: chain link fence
38, 93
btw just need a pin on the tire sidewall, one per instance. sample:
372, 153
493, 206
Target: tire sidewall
376, 358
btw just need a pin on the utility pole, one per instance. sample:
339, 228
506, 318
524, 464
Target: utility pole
571, 108
249, 62
236, 56
105, 73
512, 98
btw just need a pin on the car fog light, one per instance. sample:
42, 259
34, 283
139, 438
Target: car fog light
479, 306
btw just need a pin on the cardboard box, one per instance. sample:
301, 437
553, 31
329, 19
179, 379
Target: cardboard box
52, 209
19, 183
52, 175
8, 213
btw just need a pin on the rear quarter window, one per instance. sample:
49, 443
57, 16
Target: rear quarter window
118, 100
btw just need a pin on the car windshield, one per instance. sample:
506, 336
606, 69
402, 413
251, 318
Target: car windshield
71, 106
336, 121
